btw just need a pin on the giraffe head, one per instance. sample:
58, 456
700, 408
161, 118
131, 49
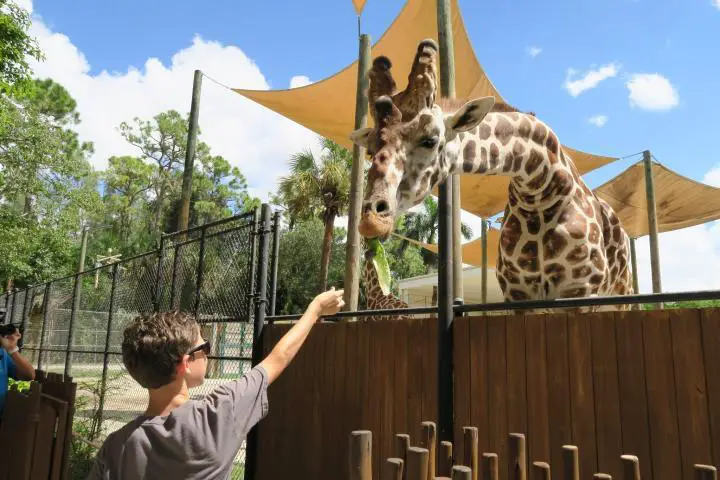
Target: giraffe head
407, 142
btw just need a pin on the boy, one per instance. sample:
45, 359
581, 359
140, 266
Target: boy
181, 439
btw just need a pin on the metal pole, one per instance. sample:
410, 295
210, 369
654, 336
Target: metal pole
186, 193
173, 281
9, 303
445, 238
106, 355
71, 329
83, 248
275, 259
252, 439
29, 294
46, 303
652, 223
253, 264
157, 292
484, 272
633, 257
200, 270
357, 185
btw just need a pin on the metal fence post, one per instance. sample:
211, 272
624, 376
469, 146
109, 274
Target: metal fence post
173, 281
29, 296
253, 264
46, 304
106, 355
15, 305
9, 303
274, 265
71, 328
201, 268
157, 291
260, 307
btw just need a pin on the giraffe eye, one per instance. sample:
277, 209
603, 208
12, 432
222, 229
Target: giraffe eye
429, 142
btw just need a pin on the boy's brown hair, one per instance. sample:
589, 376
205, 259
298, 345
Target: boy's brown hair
153, 345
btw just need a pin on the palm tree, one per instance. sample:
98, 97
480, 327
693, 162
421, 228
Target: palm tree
423, 227
318, 188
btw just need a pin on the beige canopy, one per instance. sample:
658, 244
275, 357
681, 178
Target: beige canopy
681, 202
471, 251
327, 107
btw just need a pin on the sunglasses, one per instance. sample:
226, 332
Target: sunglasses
205, 347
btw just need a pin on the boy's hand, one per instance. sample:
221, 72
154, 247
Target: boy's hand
328, 303
11, 341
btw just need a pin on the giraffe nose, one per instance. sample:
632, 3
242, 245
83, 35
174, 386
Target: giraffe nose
379, 207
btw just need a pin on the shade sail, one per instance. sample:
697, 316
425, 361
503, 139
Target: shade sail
471, 251
680, 201
327, 107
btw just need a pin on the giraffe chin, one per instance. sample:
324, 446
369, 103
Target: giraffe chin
372, 226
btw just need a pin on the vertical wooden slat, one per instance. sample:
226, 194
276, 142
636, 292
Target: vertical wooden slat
582, 399
693, 418
365, 385
402, 445
479, 415
631, 467
386, 390
541, 471
417, 466
497, 386
340, 402
430, 407
315, 359
516, 375
571, 462
518, 457
394, 468
326, 426
490, 466
558, 373
360, 465
415, 379
633, 394
429, 441
705, 472
461, 472
710, 322
537, 385
462, 396
607, 399
602, 476
445, 458
470, 450
400, 388
662, 406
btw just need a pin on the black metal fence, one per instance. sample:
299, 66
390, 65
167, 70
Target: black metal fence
73, 325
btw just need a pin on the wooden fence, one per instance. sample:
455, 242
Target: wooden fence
36, 429
638, 383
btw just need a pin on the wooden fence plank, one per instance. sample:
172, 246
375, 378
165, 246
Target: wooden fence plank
462, 391
516, 375
537, 389
479, 413
662, 407
430, 355
400, 351
582, 398
710, 322
633, 394
558, 374
607, 399
386, 389
693, 419
415, 379
497, 386
339, 403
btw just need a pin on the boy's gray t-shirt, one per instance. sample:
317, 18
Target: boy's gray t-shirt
199, 439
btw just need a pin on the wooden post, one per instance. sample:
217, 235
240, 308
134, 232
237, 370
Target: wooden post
541, 471
518, 457
705, 472
602, 476
394, 468
461, 472
631, 467
402, 444
484, 271
357, 185
417, 464
429, 440
571, 462
186, 193
652, 223
633, 259
360, 467
490, 467
445, 241
470, 451
445, 458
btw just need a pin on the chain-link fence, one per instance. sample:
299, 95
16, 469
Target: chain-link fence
74, 325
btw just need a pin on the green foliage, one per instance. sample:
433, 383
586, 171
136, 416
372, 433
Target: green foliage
16, 47
22, 385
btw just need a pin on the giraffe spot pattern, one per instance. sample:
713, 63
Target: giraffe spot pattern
533, 162
494, 156
533, 224
503, 130
510, 234
553, 244
539, 180
594, 233
518, 295
597, 260
524, 129
539, 134
577, 254
483, 160
550, 212
485, 131
469, 155
581, 271
552, 143
556, 273
596, 279
528, 260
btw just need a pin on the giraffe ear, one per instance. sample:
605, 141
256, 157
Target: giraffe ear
469, 115
361, 136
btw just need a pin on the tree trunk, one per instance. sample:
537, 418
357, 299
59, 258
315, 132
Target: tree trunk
327, 246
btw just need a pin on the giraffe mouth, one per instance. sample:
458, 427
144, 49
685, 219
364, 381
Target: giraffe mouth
373, 225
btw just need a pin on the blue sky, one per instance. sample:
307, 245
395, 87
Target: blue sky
318, 37
645, 70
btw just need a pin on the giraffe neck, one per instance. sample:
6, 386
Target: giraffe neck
376, 299
518, 146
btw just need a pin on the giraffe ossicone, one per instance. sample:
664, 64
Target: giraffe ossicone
557, 239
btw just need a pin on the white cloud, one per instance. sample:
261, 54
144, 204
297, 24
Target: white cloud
652, 91
248, 135
590, 79
713, 176
598, 120
535, 51
716, 3
299, 81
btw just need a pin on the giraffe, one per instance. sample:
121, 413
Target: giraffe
557, 240
375, 298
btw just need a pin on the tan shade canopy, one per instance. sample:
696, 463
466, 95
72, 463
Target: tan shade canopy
359, 4
471, 251
327, 107
681, 202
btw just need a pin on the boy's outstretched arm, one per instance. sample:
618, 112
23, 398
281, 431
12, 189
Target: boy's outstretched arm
327, 303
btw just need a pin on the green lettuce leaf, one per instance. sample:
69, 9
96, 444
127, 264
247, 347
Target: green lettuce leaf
381, 265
